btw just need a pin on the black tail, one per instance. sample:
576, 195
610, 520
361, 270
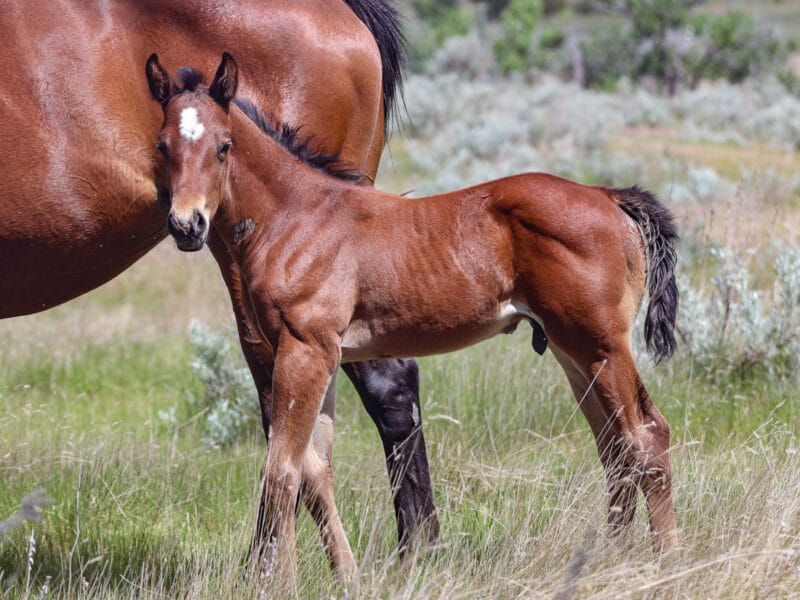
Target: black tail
383, 19
660, 235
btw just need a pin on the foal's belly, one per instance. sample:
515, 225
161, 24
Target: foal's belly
366, 340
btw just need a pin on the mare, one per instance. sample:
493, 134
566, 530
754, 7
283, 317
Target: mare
84, 197
339, 273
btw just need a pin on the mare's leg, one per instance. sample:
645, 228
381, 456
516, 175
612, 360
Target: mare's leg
632, 435
259, 357
389, 390
300, 378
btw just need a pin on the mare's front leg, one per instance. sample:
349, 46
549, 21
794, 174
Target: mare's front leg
389, 390
259, 357
301, 375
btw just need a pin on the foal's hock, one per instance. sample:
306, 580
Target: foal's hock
339, 272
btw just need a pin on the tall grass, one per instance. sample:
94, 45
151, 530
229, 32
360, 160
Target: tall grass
145, 510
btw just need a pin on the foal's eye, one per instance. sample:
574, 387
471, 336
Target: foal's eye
222, 151
161, 147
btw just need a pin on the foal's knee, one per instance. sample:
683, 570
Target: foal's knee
282, 479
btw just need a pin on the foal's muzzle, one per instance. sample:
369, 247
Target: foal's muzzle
190, 234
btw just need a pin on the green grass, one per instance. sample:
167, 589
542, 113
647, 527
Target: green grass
144, 509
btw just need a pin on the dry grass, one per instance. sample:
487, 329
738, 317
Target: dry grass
143, 510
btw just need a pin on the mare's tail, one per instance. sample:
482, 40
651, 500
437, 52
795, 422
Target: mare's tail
382, 18
660, 237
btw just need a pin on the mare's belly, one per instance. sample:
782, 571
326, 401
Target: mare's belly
41, 267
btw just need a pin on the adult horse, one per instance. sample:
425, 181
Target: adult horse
82, 197
364, 273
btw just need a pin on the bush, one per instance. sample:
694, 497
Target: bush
229, 399
519, 19
735, 47
659, 40
435, 23
702, 184
608, 55
552, 38
735, 328
467, 55
30, 509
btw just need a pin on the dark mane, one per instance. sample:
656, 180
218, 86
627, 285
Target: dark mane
188, 79
382, 18
289, 137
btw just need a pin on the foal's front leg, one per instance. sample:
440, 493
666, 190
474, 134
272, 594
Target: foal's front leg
300, 377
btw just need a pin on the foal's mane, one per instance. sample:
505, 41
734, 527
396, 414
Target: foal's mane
302, 147
288, 136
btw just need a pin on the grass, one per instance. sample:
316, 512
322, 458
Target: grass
144, 509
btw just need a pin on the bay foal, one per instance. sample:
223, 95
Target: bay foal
83, 194
338, 273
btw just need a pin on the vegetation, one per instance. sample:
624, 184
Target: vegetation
227, 406
140, 426
145, 509
671, 43
519, 19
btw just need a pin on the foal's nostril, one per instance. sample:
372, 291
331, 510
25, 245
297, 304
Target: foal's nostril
199, 223
176, 226
190, 234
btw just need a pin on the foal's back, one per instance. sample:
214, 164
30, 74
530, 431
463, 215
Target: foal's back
460, 267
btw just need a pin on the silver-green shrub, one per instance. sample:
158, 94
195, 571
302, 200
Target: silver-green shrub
733, 327
466, 131
30, 509
229, 396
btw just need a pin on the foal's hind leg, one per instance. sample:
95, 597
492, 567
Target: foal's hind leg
622, 491
632, 438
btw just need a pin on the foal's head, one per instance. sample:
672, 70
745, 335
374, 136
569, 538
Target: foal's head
195, 141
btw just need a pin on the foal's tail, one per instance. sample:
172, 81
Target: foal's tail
660, 237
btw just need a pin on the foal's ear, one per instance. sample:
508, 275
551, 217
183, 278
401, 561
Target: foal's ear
161, 86
223, 88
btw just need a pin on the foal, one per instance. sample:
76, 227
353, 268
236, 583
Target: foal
339, 272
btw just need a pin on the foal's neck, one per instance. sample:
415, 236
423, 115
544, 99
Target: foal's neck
267, 183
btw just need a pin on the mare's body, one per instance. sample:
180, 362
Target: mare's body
83, 186
339, 272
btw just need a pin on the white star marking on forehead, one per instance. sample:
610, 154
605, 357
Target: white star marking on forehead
190, 127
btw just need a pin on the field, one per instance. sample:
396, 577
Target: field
100, 408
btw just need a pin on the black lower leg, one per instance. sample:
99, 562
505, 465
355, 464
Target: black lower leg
389, 390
